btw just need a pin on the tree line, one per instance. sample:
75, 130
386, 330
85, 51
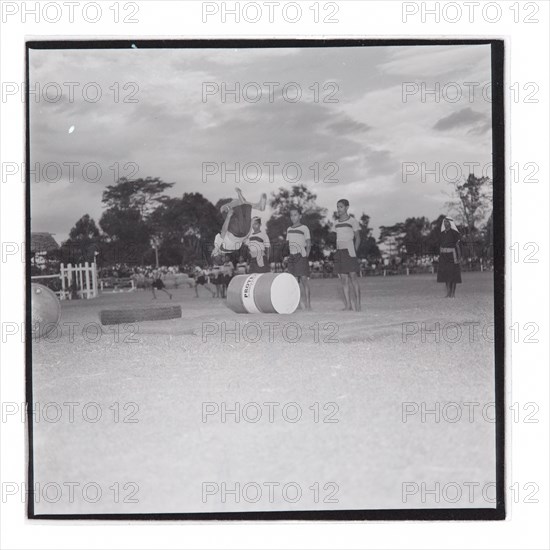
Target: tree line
139, 216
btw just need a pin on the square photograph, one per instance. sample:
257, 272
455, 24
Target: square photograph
265, 279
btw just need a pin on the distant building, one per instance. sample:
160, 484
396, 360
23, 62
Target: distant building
42, 243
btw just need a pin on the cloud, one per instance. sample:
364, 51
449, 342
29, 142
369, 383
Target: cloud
381, 163
350, 132
348, 125
476, 121
420, 62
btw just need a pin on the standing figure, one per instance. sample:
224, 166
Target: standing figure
201, 278
348, 239
299, 243
258, 245
228, 269
448, 271
158, 284
216, 276
242, 267
277, 254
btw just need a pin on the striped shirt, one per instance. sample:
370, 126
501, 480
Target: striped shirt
297, 237
257, 243
199, 272
215, 272
345, 234
227, 268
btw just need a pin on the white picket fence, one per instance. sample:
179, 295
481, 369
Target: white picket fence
116, 284
79, 278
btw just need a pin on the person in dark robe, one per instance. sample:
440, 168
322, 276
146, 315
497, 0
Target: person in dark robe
449, 257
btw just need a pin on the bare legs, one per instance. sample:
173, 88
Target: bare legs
163, 290
207, 286
305, 292
345, 278
240, 200
260, 205
357, 290
451, 289
225, 225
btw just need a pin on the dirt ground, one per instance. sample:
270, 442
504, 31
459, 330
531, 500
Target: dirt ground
386, 408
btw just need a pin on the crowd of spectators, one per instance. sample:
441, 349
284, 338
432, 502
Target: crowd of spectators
142, 276
318, 268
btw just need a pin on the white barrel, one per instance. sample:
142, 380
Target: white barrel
263, 293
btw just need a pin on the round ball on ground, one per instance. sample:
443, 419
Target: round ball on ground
45, 310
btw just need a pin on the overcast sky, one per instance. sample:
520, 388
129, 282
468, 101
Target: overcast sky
169, 130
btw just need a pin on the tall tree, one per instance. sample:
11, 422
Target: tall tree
433, 240
127, 236
416, 235
471, 201
298, 195
368, 247
84, 240
487, 239
84, 229
312, 215
392, 238
186, 228
125, 222
143, 195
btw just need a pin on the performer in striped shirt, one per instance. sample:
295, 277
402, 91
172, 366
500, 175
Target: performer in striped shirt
348, 238
158, 283
258, 245
201, 278
299, 243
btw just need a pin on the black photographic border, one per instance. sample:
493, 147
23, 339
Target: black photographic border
499, 246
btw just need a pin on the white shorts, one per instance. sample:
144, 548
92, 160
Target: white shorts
228, 244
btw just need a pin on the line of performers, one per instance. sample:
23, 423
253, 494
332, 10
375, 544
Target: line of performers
240, 228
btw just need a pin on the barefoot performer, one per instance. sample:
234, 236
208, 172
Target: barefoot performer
228, 269
237, 225
201, 279
448, 271
258, 245
158, 284
348, 238
299, 243
216, 275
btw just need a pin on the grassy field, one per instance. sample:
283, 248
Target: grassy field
361, 382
